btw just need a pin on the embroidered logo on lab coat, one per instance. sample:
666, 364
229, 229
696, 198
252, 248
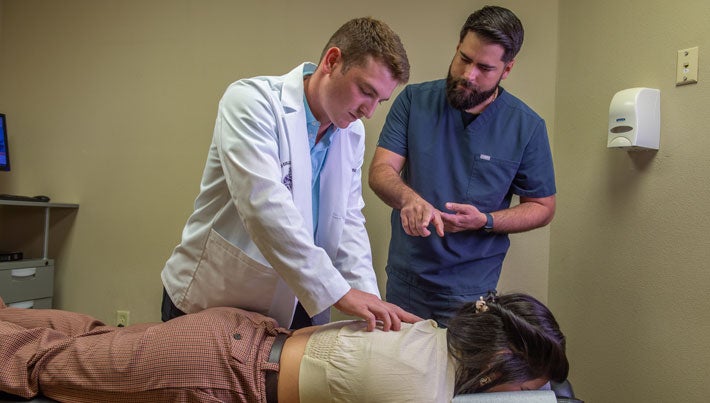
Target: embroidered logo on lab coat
287, 180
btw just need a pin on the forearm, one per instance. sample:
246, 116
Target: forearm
389, 186
528, 215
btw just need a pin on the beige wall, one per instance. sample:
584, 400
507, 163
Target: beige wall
629, 271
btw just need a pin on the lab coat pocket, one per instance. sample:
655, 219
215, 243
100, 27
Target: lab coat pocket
330, 233
227, 276
490, 181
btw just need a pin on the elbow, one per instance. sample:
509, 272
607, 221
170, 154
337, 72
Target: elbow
372, 176
548, 218
550, 213
542, 210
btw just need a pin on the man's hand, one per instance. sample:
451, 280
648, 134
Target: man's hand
529, 214
417, 214
371, 308
465, 217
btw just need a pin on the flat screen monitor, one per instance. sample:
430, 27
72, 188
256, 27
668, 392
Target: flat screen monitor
4, 152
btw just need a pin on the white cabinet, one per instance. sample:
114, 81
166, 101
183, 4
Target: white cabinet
29, 283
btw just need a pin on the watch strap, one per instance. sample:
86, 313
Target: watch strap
488, 226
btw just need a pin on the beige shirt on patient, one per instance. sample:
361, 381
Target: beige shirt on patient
343, 362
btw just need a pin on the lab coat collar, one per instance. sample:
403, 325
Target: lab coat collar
292, 94
297, 135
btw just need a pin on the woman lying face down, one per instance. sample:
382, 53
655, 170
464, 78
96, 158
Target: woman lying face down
506, 343
511, 342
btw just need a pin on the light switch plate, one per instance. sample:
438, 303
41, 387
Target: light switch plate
687, 66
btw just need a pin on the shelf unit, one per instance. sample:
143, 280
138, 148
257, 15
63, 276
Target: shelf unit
29, 283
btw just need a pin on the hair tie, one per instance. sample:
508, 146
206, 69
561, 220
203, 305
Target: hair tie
481, 306
491, 296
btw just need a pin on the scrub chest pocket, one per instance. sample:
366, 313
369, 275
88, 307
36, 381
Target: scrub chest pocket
490, 181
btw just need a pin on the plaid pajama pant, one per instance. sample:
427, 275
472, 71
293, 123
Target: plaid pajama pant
217, 355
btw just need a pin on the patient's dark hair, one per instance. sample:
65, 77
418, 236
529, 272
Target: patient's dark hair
362, 37
516, 340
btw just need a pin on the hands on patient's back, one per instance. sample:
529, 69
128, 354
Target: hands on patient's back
371, 308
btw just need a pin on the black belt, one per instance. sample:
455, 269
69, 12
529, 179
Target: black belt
272, 377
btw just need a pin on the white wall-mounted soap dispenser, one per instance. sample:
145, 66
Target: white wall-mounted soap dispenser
635, 119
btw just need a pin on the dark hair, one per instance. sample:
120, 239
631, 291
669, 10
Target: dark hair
362, 37
516, 339
496, 25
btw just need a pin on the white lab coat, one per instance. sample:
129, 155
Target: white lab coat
249, 242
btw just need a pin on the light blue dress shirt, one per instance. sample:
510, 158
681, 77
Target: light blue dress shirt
319, 152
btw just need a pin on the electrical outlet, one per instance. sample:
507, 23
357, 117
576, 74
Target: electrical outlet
122, 318
687, 66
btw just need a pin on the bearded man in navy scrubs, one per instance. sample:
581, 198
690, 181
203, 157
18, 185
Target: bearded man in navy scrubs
450, 157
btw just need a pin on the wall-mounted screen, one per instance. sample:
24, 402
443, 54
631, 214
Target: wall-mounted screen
4, 152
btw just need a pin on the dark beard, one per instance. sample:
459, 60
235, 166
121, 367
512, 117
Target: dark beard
461, 94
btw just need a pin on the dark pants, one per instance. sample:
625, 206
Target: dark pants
169, 310
427, 304
300, 317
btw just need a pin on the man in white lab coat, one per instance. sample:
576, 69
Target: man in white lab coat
278, 223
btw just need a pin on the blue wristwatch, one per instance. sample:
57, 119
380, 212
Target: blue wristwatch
488, 227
